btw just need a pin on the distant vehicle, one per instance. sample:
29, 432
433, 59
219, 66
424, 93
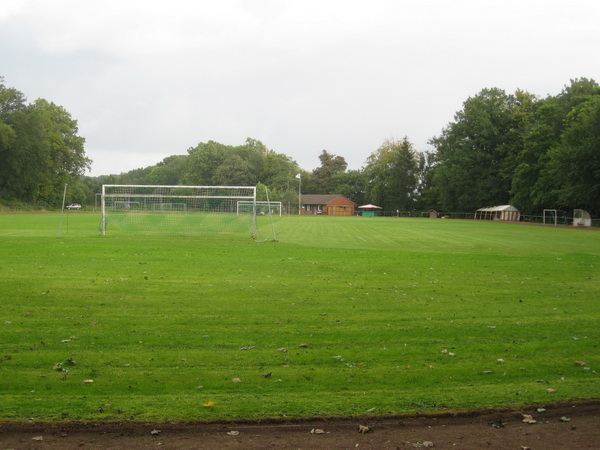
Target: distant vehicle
74, 206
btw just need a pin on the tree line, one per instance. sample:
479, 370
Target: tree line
501, 148
518, 149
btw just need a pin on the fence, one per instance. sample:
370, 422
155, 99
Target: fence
561, 220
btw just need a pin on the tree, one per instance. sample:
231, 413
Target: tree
13, 123
11, 102
392, 176
573, 166
427, 194
279, 175
235, 171
203, 161
350, 184
168, 171
527, 193
278, 170
40, 150
212, 163
20, 157
65, 159
322, 177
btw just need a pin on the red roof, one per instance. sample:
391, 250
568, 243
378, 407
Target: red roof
321, 199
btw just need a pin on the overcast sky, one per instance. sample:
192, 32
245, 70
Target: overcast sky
148, 79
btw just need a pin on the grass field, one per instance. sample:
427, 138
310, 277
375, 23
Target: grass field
348, 315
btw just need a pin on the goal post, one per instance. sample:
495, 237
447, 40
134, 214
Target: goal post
189, 210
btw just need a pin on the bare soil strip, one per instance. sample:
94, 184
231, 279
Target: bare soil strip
563, 426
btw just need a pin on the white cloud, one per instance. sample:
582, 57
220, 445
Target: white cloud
10, 8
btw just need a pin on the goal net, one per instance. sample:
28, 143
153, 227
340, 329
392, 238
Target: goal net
177, 210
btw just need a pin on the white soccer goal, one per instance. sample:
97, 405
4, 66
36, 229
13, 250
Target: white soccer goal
550, 216
187, 210
581, 218
262, 207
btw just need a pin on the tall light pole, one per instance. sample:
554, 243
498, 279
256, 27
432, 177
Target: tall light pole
299, 176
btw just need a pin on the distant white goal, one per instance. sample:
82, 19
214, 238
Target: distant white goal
550, 216
188, 210
262, 207
581, 218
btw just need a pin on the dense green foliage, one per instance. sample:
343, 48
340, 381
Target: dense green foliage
40, 150
514, 148
501, 148
392, 176
348, 315
323, 178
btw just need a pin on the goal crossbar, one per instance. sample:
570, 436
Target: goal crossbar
172, 196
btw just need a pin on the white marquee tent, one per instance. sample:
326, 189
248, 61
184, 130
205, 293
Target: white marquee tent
502, 212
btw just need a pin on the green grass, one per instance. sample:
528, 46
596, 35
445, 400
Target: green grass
368, 309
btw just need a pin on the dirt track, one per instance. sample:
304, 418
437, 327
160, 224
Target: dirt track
566, 426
